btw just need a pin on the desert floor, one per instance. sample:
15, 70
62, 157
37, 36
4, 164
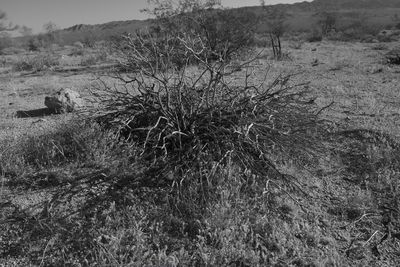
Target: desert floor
353, 79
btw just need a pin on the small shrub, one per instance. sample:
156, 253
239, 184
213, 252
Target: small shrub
94, 59
34, 44
89, 41
314, 36
393, 56
37, 63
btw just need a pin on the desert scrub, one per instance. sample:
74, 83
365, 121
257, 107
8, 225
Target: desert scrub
37, 63
191, 120
193, 138
196, 135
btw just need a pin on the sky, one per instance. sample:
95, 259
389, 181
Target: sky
66, 13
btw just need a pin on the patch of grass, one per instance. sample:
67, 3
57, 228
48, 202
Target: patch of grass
94, 59
33, 159
37, 63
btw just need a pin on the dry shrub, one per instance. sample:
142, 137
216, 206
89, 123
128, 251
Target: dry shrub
315, 35
37, 63
190, 118
393, 56
94, 59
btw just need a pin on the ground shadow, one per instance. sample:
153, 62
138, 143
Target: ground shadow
34, 113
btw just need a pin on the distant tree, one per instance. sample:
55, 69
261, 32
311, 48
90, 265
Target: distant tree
50, 27
275, 19
51, 35
34, 43
327, 21
223, 32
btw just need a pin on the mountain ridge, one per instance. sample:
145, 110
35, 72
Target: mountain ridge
302, 17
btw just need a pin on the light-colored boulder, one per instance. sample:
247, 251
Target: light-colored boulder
65, 100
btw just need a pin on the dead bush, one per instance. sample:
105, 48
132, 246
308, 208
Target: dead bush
188, 118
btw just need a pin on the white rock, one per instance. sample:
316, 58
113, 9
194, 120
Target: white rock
65, 100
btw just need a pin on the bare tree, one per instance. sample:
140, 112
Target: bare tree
51, 35
327, 21
50, 27
275, 18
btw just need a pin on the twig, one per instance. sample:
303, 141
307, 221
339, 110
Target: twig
326, 107
369, 239
359, 219
45, 249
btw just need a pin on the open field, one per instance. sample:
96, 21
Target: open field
346, 212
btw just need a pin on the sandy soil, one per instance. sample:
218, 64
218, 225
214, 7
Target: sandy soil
355, 76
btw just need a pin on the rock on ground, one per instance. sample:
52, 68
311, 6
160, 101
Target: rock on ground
65, 100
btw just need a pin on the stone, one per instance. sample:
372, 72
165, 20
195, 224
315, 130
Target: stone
65, 100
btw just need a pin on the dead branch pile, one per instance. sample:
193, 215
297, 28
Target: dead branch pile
187, 117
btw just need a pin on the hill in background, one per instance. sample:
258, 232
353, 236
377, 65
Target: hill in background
370, 15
